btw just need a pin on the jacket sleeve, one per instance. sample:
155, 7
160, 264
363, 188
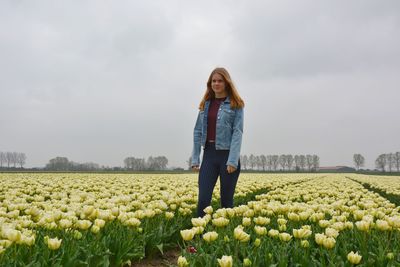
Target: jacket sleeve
197, 141
236, 142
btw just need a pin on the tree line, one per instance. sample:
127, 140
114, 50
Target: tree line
277, 162
284, 162
140, 164
130, 163
384, 162
12, 159
63, 164
388, 162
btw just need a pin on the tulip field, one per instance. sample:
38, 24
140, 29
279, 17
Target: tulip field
80, 219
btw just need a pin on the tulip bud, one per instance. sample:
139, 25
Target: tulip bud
246, 262
305, 243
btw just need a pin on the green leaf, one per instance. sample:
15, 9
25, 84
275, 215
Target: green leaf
160, 248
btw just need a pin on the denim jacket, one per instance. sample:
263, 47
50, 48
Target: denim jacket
229, 130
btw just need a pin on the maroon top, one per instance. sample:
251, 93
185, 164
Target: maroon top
212, 117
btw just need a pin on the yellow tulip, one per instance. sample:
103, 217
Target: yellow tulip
382, 225
198, 229
208, 210
301, 233
330, 232
169, 215
210, 236
182, 262
285, 237
65, 223
262, 220
83, 224
199, 222
260, 230
273, 233
187, 234
225, 261
53, 243
12, 234
246, 221
329, 242
241, 235
220, 222
95, 229
319, 238
363, 225
354, 258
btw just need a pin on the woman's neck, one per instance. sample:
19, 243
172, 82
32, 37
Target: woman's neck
222, 95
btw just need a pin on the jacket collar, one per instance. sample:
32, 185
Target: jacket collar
227, 100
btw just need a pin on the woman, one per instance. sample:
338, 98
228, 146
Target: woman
219, 129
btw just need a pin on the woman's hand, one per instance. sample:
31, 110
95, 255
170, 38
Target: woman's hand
195, 168
230, 169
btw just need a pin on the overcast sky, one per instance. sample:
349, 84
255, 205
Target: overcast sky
97, 81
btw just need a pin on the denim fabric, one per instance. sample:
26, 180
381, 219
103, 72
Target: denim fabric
212, 166
229, 131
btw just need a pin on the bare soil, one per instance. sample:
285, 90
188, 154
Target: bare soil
169, 258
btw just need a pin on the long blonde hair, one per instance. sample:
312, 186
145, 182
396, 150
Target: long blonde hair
236, 100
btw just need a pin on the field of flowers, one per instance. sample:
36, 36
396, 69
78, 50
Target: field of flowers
278, 220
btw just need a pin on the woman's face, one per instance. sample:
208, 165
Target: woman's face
217, 83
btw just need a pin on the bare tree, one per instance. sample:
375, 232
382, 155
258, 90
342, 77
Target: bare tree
297, 162
59, 164
302, 162
163, 162
263, 160
289, 161
2, 159
244, 160
275, 162
380, 162
282, 161
127, 163
358, 161
157, 163
397, 160
9, 158
309, 161
258, 162
252, 161
14, 159
189, 163
269, 162
390, 161
315, 162
21, 158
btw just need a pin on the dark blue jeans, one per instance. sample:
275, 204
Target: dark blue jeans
212, 166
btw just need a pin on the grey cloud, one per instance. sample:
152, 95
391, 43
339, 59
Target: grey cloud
98, 81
